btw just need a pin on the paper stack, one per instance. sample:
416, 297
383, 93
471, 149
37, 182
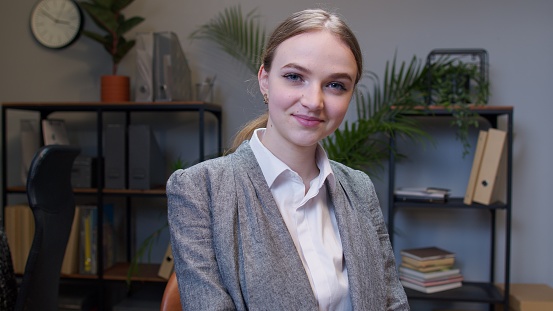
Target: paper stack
424, 194
429, 270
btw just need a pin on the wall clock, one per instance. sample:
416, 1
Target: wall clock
56, 24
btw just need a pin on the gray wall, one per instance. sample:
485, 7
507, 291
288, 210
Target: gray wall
517, 35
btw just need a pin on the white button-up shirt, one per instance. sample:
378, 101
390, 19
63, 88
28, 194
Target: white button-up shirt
311, 222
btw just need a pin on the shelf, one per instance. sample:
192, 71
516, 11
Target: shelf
469, 292
121, 192
441, 110
98, 110
451, 203
118, 272
145, 273
476, 292
113, 106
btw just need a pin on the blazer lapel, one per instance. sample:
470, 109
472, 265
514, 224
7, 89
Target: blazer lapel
271, 262
355, 237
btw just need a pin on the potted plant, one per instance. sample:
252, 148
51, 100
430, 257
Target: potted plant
458, 82
107, 15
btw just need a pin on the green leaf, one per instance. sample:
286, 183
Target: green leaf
364, 144
144, 249
96, 37
102, 17
129, 24
122, 49
118, 5
240, 37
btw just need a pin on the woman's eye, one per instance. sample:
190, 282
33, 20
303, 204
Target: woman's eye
292, 77
337, 85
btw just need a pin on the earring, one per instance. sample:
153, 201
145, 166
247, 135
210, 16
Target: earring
265, 98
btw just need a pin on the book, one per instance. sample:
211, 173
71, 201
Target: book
429, 268
476, 162
87, 243
447, 280
428, 194
425, 190
88, 238
427, 253
431, 289
428, 263
489, 168
11, 221
70, 264
19, 222
427, 276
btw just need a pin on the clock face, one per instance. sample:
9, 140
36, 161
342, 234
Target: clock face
56, 23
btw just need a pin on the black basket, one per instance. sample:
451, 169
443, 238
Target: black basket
478, 57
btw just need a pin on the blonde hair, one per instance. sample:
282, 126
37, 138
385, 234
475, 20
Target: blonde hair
296, 24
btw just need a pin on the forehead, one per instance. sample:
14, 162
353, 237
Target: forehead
312, 49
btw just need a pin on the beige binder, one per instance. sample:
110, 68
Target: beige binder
476, 163
167, 265
70, 263
490, 166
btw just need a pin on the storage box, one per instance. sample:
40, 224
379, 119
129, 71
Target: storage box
529, 297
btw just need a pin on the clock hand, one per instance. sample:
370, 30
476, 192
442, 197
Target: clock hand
47, 14
59, 21
60, 11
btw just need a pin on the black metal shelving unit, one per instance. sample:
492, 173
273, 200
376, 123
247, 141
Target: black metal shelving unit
476, 292
44, 109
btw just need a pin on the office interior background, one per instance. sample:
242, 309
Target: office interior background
518, 36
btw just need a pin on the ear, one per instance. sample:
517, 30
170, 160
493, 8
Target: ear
263, 79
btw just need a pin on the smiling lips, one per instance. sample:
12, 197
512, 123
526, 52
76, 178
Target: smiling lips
307, 121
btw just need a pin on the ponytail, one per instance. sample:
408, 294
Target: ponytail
247, 130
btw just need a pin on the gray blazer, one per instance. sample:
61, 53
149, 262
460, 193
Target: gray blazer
232, 249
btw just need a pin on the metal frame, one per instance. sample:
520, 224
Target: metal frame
471, 291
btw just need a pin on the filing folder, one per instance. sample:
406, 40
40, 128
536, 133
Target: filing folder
167, 265
486, 189
114, 157
146, 168
172, 77
476, 163
144, 89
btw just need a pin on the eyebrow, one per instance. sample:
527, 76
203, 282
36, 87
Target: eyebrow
338, 75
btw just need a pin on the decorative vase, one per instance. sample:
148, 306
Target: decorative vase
115, 88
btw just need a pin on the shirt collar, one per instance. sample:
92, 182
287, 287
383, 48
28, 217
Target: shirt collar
272, 167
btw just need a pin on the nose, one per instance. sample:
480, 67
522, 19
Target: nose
312, 98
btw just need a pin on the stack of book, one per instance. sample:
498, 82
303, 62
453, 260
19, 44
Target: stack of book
429, 270
428, 194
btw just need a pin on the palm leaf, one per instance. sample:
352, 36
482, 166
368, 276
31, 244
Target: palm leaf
240, 36
364, 144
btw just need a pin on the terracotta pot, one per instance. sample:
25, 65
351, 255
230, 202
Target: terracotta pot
115, 88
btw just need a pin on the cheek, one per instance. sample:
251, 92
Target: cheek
337, 110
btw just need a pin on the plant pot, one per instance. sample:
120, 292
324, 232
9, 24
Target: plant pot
115, 88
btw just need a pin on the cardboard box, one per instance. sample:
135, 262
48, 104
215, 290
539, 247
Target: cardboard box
529, 297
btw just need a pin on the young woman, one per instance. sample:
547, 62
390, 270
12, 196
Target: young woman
276, 225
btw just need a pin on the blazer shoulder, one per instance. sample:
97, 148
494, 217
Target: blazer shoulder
348, 174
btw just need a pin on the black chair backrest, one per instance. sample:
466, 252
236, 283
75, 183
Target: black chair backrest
51, 199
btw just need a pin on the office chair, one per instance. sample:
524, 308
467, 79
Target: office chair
171, 295
50, 197
8, 285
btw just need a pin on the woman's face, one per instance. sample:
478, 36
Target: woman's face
309, 88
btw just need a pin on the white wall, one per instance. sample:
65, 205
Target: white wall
518, 36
